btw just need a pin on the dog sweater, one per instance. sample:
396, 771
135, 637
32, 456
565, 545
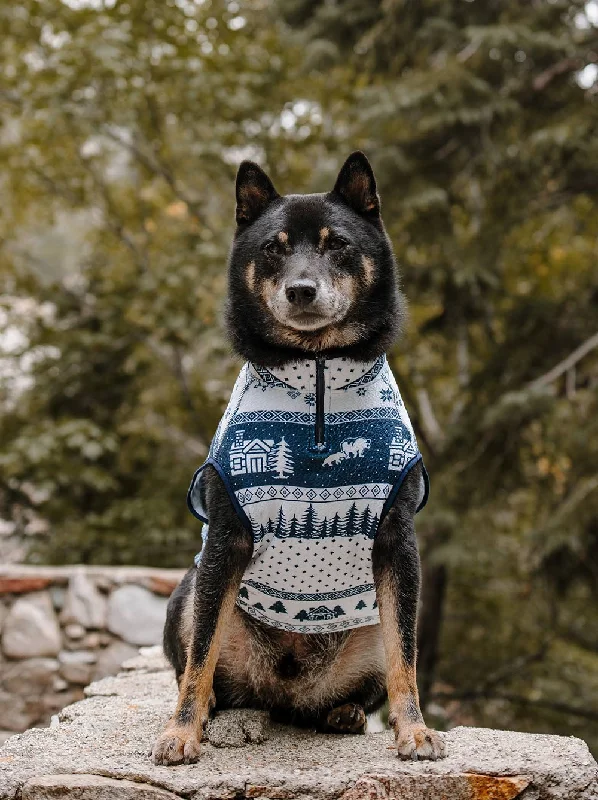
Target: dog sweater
312, 455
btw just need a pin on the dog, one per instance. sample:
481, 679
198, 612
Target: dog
313, 304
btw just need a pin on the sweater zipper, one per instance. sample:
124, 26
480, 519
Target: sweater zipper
320, 432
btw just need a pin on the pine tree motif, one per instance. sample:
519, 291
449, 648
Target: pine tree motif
302, 615
281, 525
259, 606
360, 605
335, 526
373, 526
365, 522
310, 530
324, 528
244, 593
293, 526
278, 607
351, 521
338, 611
280, 460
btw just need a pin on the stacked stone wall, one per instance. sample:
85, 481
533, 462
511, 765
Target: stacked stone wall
63, 627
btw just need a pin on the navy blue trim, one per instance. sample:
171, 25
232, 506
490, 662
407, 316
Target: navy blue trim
394, 491
190, 505
240, 513
367, 587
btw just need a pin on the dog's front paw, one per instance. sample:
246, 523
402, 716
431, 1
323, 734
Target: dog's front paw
176, 745
415, 741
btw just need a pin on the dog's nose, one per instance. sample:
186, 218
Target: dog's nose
301, 292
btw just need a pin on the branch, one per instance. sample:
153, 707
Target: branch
549, 705
565, 365
434, 433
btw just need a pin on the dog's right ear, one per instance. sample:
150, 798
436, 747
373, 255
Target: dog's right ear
254, 192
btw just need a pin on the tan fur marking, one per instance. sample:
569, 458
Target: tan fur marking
333, 663
324, 234
268, 290
400, 677
368, 270
323, 339
198, 680
283, 237
250, 275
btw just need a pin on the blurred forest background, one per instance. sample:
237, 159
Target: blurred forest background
122, 125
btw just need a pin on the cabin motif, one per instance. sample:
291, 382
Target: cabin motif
402, 449
249, 455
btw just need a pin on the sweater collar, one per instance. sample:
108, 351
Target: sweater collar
340, 372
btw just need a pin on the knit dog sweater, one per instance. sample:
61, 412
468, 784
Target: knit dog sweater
312, 455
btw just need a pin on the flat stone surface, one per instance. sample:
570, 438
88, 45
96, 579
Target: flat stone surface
100, 749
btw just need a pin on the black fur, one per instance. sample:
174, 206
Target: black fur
276, 234
379, 308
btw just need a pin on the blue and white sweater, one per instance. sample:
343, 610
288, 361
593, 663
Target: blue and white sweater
312, 455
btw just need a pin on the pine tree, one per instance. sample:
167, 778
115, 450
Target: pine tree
335, 526
281, 460
338, 611
278, 606
294, 526
365, 522
350, 527
243, 592
323, 532
281, 525
309, 523
360, 605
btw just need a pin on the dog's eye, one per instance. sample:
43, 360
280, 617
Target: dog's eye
335, 242
273, 247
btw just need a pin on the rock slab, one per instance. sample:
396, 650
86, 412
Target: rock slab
136, 615
31, 628
99, 749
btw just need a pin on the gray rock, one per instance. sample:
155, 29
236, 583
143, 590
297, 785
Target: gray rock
74, 631
77, 666
136, 615
108, 736
111, 659
84, 604
32, 675
31, 628
239, 729
4, 736
15, 712
90, 787
3, 615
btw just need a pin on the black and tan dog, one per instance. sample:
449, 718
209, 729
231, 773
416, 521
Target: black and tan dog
310, 275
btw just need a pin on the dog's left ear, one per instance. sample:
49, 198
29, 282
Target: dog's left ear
357, 186
254, 192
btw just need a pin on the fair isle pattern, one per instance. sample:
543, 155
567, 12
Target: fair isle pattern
313, 513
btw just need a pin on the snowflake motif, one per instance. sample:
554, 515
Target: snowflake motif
361, 391
386, 394
310, 399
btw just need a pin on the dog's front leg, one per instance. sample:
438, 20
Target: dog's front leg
395, 563
225, 556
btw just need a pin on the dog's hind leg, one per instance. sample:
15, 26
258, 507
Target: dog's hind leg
226, 554
395, 563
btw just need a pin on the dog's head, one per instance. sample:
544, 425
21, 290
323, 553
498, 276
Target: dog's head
311, 274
